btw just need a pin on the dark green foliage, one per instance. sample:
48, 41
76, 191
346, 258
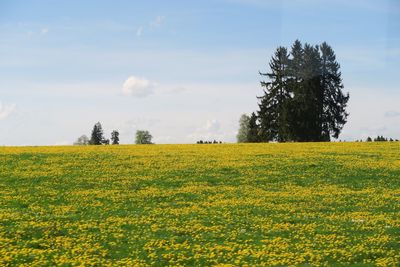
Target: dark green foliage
380, 139
369, 139
253, 135
303, 99
334, 100
209, 142
273, 103
307, 99
115, 137
97, 137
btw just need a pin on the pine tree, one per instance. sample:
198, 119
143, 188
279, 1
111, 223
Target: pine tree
115, 137
97, 137
308, 98
273, 104
334, 114
292, 113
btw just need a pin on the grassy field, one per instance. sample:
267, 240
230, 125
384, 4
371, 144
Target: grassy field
256, 204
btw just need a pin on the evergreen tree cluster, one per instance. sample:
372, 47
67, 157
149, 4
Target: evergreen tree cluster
97, 137
303, 97
380, 139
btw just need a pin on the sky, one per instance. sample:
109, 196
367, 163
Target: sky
184, 70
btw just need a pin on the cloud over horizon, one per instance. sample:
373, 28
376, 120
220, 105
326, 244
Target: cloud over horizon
138, 87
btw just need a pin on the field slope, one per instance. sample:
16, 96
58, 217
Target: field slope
256, 204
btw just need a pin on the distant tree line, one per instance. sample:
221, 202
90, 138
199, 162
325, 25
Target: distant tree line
381, 138
97, 137
208, 142
303, 98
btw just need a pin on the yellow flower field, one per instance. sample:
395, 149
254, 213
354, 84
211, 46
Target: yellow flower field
190, 205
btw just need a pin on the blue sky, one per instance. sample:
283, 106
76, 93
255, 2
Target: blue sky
185, 70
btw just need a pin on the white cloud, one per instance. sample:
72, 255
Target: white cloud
137, 87
139, 31
157, 21
6, 110
44, 31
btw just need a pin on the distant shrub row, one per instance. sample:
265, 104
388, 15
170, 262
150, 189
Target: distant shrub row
209, 142
97, 137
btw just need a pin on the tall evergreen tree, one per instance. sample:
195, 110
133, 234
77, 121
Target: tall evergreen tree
293, 113
308, 99
272, 105
334, 100
97, 137
115, 137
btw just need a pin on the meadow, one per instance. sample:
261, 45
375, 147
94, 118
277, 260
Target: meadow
199, 205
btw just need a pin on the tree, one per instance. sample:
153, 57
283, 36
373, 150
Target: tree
309, 99
115, 137
293, 113
97, 137
303, 99
243, 129
380, 139
334, 101
273, 103
143, 137
82, 141
369, 139
254, 129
